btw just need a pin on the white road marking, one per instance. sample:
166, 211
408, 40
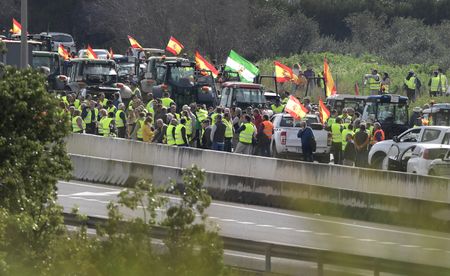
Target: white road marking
431, 249
366, 240
409, 245
245, 222
344, 237
228, 220
265, 225
96, 194
388, 243
303, 231
284, 228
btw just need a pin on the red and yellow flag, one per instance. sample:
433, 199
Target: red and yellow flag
174, 46
323, 111
16, 27
134, 44
329, 82
284, 73
295, 108
90, 53
63, 52
203, 64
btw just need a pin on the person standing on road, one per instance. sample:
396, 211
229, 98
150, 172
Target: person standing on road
361, 143
264, 136
90, 116
378, 134
78, 125
229, 131
170, 132
218, 134
308, 141
205, 137
246, 134
434, 83
277, 107
121, 121
411, 84
349, 151
443, 82
385, 83
373, 80
336, 142
147, 130
181, 138
160, 132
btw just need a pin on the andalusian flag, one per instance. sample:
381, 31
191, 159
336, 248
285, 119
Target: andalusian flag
284, 73
329, 82
90, 53
174, 46
245, 68
323, 111
63, 52
203, 64
16, 27
134, 44
295, 108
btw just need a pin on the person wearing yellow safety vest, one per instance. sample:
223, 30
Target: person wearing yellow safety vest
103, 116
285, 97
151, 103
90, 116
246, 135
166, 100
102, 100
110, 107
138, 128
121, 121
229, 131
443, 82
331, 120
181, 139
410, 83
108, 124
277, 107
147, 130
170, 132
346, 119
434, 83
373, 81
78, 125
189, 124
336, 142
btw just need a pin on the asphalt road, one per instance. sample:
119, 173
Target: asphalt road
289, 227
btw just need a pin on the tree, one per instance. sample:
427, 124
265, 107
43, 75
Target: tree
32, 159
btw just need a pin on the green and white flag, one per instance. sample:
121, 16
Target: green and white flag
243, 67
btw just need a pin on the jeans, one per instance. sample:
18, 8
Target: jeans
336, 150
307, 154
228, 145
218, 146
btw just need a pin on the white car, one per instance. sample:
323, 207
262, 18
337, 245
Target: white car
285, 142
423, 156
61, 38
441, 166
101, 53
420, 135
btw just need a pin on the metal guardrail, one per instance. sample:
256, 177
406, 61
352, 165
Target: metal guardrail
319, 256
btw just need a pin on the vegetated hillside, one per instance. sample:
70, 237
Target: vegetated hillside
348, 70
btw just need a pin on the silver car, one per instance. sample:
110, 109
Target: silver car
441, 166
62, 38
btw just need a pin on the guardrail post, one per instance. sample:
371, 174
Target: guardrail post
268, 259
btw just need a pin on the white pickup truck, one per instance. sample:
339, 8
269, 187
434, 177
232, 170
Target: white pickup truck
286, 144
425, 134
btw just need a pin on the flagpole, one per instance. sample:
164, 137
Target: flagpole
24, 34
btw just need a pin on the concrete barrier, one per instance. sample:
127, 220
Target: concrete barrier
335, 190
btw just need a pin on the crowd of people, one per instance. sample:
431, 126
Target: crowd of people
147, 119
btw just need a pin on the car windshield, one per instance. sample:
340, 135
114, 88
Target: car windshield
62, 38
387, 112
44, 61
99, 73
184, 72
125, 69
287, 121
253, 96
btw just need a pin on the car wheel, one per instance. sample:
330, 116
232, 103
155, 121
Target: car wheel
379, 161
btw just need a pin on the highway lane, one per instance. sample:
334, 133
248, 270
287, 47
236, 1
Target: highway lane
289, 227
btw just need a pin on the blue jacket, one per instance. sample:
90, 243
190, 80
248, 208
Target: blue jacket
306, 136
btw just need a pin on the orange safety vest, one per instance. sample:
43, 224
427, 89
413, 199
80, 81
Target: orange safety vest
374, 141
268, 129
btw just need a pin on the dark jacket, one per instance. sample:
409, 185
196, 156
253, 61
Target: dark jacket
218, 132
306, 135
350, 152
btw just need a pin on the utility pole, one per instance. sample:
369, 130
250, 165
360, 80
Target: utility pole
24, 34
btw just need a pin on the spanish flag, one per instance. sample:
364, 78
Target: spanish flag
63, 52
16, 27
295, 108
323, 111
203, 64
90, 53
329, 82
284, 73
134, 44
174, 46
